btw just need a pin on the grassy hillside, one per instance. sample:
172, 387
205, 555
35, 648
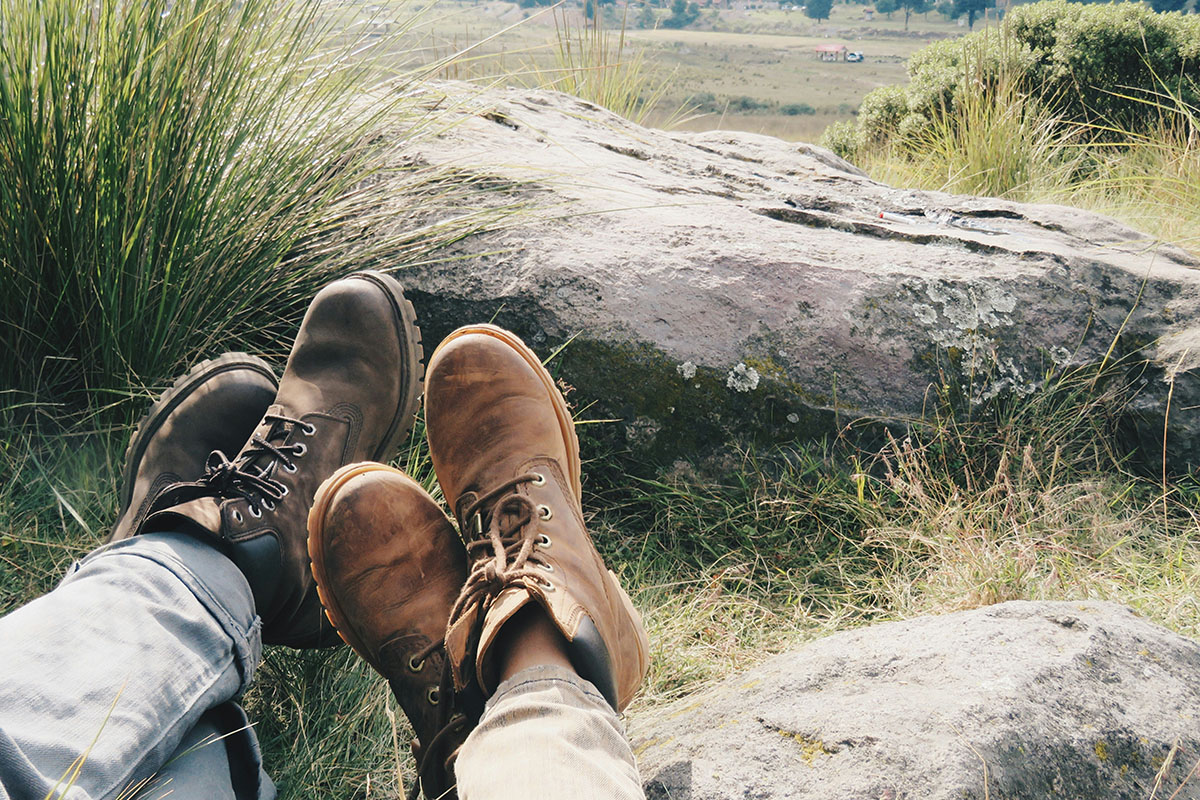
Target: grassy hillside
1028, 499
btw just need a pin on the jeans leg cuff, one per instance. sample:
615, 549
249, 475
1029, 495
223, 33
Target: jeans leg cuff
215, 581
534, 678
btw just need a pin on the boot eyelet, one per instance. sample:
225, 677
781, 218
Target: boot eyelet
237, 516
254, 512
268, 505
540, 480
300, 449
308, 429
547, 585
289, 468
433, 696
544, 541
545, 512
282, 494
546, 567
414, 665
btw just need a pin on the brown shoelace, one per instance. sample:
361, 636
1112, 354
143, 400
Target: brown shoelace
503, 553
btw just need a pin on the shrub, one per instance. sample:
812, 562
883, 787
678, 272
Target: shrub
1093, 64
744, 104
842, 139
797, 109
880, 114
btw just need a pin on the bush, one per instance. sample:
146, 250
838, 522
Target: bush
744, 104
880, 114
842, 139
1095, 65
683, 14
797, 109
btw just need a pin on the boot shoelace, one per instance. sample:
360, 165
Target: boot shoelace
431, 750
250, 475
507, 550
431, 758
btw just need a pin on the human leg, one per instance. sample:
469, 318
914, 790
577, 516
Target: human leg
349, 392
141, 638
567, 738
111, 669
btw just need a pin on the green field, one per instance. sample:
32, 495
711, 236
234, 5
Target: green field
734, 69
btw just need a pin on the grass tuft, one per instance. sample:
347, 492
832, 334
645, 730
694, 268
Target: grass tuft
179, 176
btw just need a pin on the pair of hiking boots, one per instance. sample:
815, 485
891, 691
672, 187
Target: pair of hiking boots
311, 519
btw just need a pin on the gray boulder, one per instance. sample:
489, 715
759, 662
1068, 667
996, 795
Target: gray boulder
1019, 701
724, 286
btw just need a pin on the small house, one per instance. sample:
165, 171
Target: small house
831, 52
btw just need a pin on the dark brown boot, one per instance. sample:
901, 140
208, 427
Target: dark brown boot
349, 393
507, 458
389, 566
215, 406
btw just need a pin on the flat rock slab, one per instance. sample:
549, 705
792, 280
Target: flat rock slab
1019, 701
726, 286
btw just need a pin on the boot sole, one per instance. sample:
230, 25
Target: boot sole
169, 400
316, 550
565, 421
412, 377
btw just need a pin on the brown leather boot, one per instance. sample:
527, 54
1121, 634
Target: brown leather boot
215, 406
507, 458
389, 565
349, 393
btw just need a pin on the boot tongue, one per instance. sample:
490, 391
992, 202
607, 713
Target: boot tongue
261, 461
508, 514
503, 511
199, 517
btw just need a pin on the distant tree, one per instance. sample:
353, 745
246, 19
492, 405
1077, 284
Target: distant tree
945, 8
1168, 5
972, 8
913, 7
589, 9
646, 18
683, 14
818, 9
887, 7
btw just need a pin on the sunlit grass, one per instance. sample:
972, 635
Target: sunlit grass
997, 141
179, 177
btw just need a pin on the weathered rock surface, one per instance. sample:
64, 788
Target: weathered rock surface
724, 285
1019, 701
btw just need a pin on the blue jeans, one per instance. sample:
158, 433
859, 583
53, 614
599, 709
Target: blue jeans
121, 681
120, 684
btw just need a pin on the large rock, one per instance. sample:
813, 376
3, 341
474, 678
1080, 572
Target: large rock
725, 285
1020, 701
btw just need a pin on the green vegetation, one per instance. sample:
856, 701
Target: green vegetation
593, 63
1094, 64
176, 180
818, 9
1088, 105
168, 170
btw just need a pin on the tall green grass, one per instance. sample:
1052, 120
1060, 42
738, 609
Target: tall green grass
176, 178
600, 66
995, 141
